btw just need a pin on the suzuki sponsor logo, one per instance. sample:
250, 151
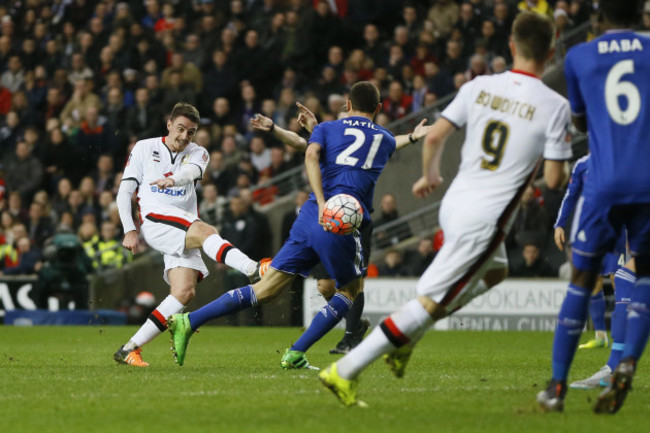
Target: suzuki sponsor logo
168, 191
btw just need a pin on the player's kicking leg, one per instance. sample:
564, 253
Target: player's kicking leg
182, 326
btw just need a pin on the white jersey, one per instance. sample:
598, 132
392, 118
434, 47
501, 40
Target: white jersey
513, 119
151, 160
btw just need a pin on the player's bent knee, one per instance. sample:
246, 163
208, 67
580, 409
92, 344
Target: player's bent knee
198, 233
184, 293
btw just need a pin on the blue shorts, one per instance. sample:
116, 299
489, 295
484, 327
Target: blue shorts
600, 227
309, 244
611, 263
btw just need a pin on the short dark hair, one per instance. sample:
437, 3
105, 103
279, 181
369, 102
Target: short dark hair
533, 35
364, 97
623, 13
186, 110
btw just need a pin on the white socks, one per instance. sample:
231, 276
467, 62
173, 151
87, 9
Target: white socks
403, 327
223, 251
156, 322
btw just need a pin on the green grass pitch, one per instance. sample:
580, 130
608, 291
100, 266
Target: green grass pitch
63, 379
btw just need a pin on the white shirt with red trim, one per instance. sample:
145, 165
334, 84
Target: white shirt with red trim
513, 119
151, 160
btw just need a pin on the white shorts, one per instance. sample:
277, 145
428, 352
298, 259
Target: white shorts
470, 249
165, 230
191, 259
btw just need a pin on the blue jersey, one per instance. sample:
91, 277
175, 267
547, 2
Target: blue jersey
354, 153
608, 81
573, 192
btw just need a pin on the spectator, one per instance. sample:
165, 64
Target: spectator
144, 119
398, 104
80, 72
95, 138
211, 206
539, 6
106, 252
531, 219
392, 265
39, 225
389, 214
28, 259
220, 78
499, 65
5, 100
444, 14
9, 133
103, 175
23, 172
532, 264
218, 172
60, 158
12, 79
74, 111
454, 61
419, 259
190, 75
242, 228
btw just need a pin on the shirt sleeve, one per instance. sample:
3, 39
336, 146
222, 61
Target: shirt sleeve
317, 135
199, 157
457, 111
573, 87
134, 168
572, 194
558, 137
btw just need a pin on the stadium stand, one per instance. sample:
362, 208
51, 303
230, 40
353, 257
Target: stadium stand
81, 81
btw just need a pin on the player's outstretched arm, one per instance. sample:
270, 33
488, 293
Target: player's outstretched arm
434, 144
306, 118
420, 131
263, 123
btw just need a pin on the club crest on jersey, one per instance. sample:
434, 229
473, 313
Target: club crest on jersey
185, 159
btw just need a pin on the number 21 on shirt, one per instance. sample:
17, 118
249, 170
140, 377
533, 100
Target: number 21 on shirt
346, 158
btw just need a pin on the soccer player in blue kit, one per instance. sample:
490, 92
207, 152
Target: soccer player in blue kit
344, 156
609, 92
623, 278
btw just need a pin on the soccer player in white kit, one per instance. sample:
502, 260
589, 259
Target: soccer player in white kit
513, 121
164, 171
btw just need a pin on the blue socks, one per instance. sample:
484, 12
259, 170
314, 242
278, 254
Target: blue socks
597, 311
570, 322
326, 319
638, 320
228, 303
624, 281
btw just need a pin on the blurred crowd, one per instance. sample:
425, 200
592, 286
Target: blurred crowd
81, 81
